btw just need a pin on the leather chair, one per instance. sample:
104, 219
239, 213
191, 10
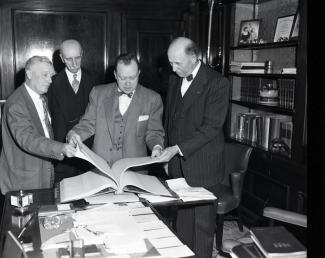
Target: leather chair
229, 192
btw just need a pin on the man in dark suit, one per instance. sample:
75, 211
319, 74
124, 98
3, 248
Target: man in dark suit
68, 97
124, 117
195, 110
28, 146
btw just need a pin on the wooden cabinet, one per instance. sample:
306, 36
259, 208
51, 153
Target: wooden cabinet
267, 109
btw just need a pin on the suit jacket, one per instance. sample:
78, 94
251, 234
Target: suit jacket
25, 161
198, 127
59, 101
143, 126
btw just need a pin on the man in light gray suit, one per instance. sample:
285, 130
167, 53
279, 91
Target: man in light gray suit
27, 136
124, 117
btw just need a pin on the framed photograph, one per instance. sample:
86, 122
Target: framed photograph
295, 28
248, 33
283, 28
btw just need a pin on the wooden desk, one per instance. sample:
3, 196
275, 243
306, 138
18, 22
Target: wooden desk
44, 197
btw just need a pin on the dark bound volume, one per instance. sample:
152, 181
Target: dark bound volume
277, 242
249, 250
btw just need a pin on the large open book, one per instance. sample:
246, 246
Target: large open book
110, 179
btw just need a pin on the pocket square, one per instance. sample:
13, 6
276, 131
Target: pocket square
143, 118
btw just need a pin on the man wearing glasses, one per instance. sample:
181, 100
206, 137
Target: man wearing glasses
124, 117
68, 98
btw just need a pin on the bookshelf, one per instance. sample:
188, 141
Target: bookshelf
262, 105
277, 172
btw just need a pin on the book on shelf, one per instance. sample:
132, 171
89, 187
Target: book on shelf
110, 179
252, 71
261, 129
285, 132
277, 242
246, 67
286, 93
289, 70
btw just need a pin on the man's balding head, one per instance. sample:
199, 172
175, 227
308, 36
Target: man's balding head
183, 56
71, 53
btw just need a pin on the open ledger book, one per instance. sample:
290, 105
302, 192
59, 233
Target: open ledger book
110, 179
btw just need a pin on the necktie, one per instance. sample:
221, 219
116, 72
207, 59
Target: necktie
75, 83
189, 78
120, 93
46, 117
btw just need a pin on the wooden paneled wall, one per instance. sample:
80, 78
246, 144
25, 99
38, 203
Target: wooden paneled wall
105, 29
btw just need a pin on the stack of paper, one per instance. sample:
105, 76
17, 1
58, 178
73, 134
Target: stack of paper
159, 235
112, 198
188, 193
156, 198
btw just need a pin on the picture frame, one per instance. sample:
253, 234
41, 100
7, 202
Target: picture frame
249, 32
283, 28
295, 28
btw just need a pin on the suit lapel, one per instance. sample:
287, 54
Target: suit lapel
196, 88
109, 110
134, 109
32, 109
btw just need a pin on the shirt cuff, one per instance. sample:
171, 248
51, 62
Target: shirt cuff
179, 151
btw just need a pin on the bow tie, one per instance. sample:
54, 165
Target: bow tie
189, 78
120, 93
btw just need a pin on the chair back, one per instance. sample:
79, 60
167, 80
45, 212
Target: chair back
236, 157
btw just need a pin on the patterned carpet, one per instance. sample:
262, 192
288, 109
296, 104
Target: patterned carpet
230, 231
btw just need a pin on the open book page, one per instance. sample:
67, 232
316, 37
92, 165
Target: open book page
86, 184
150, 184
118, 167
83, 152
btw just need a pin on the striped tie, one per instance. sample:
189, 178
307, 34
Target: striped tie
75, 83
46, 117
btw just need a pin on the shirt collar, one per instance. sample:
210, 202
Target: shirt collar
32, 93
195, 71
70, 74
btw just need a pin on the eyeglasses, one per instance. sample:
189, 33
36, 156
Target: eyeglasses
131, 78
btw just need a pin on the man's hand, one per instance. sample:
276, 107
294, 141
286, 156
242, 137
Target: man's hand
68, 150
73, 138
168, 153
156, 151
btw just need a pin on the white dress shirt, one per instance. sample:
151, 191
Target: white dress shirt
39, 107
185, 83
70, 76
124, 102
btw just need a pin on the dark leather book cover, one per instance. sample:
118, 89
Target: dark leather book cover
276, 241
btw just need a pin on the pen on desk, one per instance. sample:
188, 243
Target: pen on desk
28, 223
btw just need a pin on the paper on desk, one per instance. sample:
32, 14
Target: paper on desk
133, 204
58, 241
139, 211
113, 198
150, 225
158, 233
176, 251
125, 244
188, 193
145, 218
156, 198
166, 242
